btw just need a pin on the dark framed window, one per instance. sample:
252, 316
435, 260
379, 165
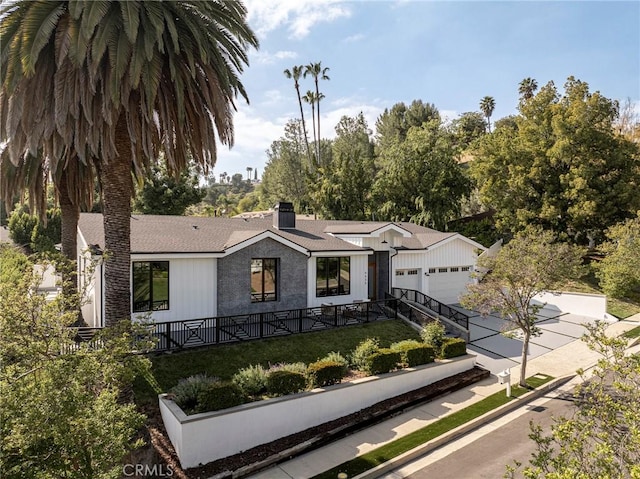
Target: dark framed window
333, 276
150, 286
264, 280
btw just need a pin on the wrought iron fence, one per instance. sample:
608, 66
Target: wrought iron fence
434, 305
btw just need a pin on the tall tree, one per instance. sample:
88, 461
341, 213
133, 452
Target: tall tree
165, 194
296, 72
527, 88
563, 166
421, 180
531, 263
393, 124
467, 128
487, 105
310, 98
120, 80
318, 73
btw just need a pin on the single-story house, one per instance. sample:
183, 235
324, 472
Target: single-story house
185, 267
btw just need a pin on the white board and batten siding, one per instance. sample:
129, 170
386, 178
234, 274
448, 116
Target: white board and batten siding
193, 288
358, 280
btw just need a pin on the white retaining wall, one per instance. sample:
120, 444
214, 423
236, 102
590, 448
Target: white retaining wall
581, 304
205, 437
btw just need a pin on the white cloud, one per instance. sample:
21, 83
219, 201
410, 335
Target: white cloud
297, 16
354, 38
266, 58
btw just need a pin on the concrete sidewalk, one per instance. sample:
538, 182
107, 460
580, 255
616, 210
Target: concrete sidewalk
563, 361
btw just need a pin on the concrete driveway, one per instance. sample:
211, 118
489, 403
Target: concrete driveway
497, 351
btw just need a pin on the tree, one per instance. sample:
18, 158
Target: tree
532, 263
420, 180
295, 73
311, 98
562, 167
467, 128
120, 81
487, 105
600, 438
61, 414
527, 88
619, 271
249, 170
343, 187
164, 194
393, 124
318, 73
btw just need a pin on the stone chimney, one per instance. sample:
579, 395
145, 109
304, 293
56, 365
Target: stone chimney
284, 216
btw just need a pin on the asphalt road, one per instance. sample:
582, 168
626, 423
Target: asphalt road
485, 452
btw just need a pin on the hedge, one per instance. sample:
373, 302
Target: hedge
414, 353
283, 382
453, 347
220, 395
325, 373
383, 361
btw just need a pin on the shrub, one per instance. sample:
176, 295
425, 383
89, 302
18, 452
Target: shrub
325, 373
452, 347
220, 395
282, 382
359, 357
186, 392
291, 367
21, 226
383, 361
338, 358
433, 334
414, 353
252, 380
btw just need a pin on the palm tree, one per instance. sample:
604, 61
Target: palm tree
317, 72
527, 88
296, 73
487, 105
310, 98
249, 170
120, 81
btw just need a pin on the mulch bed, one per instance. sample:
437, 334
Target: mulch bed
283, 449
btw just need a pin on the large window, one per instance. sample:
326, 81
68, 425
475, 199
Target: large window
333, 276
150, 286
264, 280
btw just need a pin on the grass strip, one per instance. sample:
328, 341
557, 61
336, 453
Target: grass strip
632, 333
395, 448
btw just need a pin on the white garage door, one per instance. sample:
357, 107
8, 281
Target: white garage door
448, 284
407, 279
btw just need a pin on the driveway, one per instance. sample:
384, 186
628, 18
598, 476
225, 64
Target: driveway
497, 351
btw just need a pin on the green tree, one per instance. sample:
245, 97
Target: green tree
619, 271
61, 414
393, 124
318, 73
420, 180
467, 128
527, 88
164, 194
343, 187
600, 437
129, 79
487, 105
563, 167
532, 263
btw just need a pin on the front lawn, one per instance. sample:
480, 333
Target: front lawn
224, 361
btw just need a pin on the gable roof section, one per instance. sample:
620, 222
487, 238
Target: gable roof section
364, 228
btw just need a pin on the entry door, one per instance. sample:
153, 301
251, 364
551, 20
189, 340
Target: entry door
373, 280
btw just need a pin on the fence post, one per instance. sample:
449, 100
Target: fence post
300, 315
335, 316
216, 325
169, 347
261, 325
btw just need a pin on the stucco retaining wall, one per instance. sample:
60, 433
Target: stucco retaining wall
581, 304
202, 438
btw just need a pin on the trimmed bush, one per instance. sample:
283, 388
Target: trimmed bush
282, 382
433, 334
359, 357
453, 347
383, 361
292, 367
325, 373
252, 380
186, 392
414, 353
338, 358
220, 395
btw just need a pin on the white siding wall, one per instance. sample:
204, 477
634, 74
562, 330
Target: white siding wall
358, 266
192, 289
92, 283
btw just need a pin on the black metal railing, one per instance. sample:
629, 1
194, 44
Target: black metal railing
434, 305
86, 336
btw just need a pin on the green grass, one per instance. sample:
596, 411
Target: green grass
224, 361
632, 333
393, 449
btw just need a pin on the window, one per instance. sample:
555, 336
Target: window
454, 270
399, 273
442, 270
264, 280
412, 272
432, 270
466, 268
333, 276
150, 286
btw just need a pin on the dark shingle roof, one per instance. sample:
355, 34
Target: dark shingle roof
193, 234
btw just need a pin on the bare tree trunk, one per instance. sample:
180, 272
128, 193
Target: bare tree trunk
523, 363
70, 215
304, 125
117, 189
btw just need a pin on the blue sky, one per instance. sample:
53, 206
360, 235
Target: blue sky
447, 53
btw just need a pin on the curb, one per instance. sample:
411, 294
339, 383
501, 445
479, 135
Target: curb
487, 417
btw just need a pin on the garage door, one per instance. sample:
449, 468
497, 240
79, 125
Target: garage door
447, 284
408, 279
